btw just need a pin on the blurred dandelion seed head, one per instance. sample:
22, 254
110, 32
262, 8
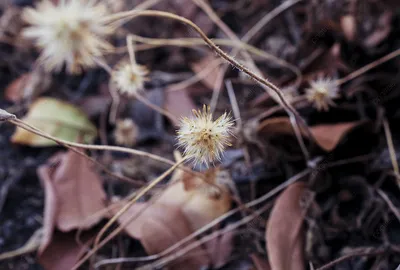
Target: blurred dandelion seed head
322, 92
203, 139
129, 78
126, 132
72, 33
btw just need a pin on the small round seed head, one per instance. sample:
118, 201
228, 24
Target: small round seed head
203, 139
322, 92
129, 78
126, 132
71, 33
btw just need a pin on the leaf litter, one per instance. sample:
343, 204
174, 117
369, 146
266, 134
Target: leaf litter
351, 213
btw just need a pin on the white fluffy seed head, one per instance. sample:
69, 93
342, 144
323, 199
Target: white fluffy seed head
129, 78
71, 33
322, 92
203, 139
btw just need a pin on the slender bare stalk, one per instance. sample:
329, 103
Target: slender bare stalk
263, 82
66, 144
34, 130
368, 67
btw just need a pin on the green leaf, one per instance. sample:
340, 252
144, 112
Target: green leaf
57, 118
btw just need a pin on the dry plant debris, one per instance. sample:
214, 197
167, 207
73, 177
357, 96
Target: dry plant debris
57, 118
286, 161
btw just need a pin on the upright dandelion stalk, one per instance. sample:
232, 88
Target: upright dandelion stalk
203, 139
71, 33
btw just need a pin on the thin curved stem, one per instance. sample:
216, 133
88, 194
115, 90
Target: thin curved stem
368, 67
32, 129
66, 144
263, 82
155, 13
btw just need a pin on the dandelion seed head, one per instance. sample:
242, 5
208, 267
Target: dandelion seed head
129, 78
203, 139
322, 92
71, 33
126, 132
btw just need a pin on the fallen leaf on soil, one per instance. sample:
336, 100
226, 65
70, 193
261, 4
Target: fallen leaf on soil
205, 63
74, 193
182, 208
64, 251
27, 85
160, 226
57, 118
198, 200
284, 234
221, 248
178, 103
327, 136
14, 91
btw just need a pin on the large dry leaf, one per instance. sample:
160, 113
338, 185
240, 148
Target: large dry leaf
196, 198
75, 191
63, 252
50, 207
220, 249
259, 263
327, 136
59, 119
158, 227
284, 232
28, 85
186, 205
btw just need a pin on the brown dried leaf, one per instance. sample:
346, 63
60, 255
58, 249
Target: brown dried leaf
220, 249
64, 251
74, 193
179, 103
14, 91
284, 234
328, 136
196, 198
179, 211
28, 85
